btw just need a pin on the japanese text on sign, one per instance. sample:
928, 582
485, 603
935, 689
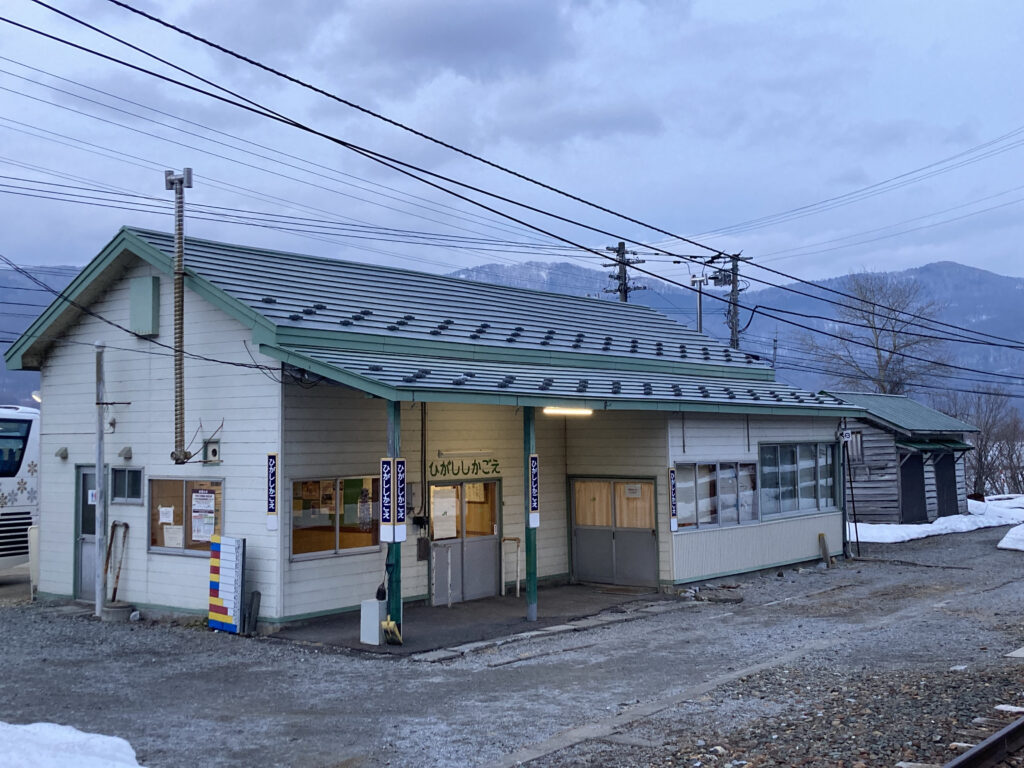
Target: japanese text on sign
386, 505
400, 491
464, 467
534, 483
271, 483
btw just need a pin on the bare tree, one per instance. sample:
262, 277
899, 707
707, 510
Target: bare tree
994, 466
877, 334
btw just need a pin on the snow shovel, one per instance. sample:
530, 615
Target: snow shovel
390, 629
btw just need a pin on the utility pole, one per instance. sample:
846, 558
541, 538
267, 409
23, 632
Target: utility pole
101, 507
623, 286
699, 281
732, 279
179, 183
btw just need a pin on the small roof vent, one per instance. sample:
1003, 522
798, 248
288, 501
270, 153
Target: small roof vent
269, 300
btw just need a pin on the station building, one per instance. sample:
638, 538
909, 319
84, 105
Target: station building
320, 367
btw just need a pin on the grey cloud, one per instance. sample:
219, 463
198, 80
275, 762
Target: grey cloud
480, 41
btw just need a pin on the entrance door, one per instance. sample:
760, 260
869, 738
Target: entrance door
945, 484
85, 514
614, 532
912, 501
465, 547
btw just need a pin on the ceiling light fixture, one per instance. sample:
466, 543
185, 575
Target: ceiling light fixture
558, 410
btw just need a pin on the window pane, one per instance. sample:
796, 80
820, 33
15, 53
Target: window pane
117, 484
826, 475
856, 447
313, 516
13, 437
166, 513
807, 457
445, 511
748, 492
728, 500
360, 515
770, 493
686, 495
134, 490
593, 502
634, 505
707, 494
481, 509
788, 478
205, 502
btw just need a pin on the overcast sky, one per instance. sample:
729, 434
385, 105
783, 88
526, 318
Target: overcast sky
694, 117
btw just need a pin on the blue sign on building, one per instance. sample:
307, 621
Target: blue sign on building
400, 491
386, 491
271, 483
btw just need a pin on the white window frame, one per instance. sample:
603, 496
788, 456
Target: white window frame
138, 501
719, 523
821, 505
338, 501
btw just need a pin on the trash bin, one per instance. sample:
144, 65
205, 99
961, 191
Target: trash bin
371, 614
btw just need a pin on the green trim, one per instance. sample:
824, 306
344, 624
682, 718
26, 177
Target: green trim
403, 345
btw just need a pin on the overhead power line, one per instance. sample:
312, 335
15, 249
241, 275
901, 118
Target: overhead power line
407, 168
412, 171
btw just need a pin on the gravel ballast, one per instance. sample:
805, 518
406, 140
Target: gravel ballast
845, 666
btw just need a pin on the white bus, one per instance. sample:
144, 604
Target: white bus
19, 481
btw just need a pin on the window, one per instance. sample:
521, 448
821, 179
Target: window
716, 494
797, 477
185, 514
126, 485
13, 438
330, 515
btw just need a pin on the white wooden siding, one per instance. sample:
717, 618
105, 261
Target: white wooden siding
626, 444
725, 437
722, 551
876, 496
238, 404
334, 431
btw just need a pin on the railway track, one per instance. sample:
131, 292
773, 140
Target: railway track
1001, 742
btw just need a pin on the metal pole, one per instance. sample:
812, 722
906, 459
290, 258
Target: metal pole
700, 281
101, 516
394, 558
529, 447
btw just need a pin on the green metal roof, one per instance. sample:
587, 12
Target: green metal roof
315, 295
407, 335
416, 377
934, 446
903, 414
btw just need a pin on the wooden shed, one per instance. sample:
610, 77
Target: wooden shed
905, 460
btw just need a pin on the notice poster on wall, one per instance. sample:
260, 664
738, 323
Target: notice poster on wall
166, 514
174, 536
444, 511
204, 505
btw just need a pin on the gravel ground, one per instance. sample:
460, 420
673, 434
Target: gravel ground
832, 667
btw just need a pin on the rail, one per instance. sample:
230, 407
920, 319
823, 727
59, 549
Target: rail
993, 750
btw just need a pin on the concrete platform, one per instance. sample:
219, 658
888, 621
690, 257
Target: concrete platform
481, 623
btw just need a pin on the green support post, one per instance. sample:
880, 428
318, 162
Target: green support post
393, 565
529, 447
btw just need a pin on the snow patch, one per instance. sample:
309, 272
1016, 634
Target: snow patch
48, 745
994, 512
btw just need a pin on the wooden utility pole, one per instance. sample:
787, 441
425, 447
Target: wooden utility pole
623, 286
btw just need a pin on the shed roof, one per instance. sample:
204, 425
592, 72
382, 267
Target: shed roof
904, 414
406, 335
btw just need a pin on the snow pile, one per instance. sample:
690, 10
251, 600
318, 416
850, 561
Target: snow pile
994, 512
48, 745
